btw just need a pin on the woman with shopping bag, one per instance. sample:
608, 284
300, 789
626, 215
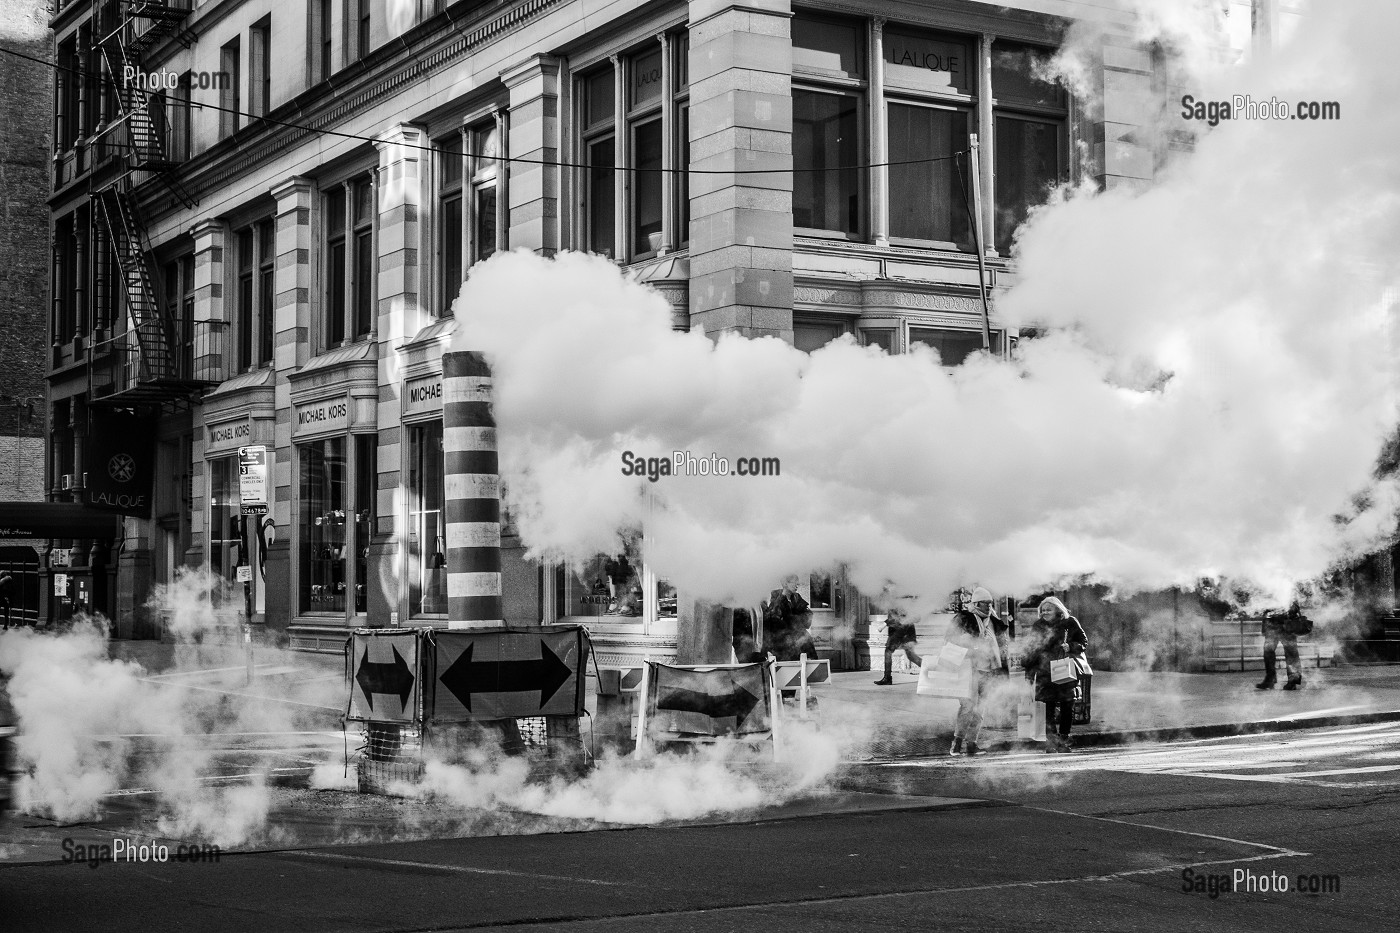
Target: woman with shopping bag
1053, 660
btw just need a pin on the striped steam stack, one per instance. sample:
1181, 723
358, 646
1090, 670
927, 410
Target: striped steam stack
473, 488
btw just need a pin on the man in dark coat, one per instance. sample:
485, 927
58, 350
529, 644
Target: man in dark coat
786, 622
899, 636
1283, 627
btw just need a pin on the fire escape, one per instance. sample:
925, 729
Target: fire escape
159, 356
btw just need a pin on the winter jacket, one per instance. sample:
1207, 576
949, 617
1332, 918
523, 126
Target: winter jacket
1046, 643
965, 630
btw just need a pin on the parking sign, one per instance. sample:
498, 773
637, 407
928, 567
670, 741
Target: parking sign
252, 480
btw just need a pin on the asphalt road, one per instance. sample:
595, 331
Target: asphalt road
1089, 841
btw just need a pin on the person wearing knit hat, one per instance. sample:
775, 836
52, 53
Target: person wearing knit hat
986, 636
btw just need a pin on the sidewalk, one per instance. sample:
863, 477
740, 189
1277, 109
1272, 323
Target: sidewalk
1126, 707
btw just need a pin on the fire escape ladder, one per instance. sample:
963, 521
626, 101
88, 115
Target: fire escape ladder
152, 358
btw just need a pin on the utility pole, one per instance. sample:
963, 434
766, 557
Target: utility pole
975, 168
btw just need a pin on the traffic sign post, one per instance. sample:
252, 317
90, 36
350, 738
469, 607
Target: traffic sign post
252, 500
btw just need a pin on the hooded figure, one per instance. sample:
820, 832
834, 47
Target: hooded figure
987, 638
1056, 634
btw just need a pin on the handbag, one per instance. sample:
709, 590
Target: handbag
1063, 671
1082, 665
935, 682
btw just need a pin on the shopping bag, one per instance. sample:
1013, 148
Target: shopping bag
1030, 720
951, 658
954, 685
1063, 671
1082, 665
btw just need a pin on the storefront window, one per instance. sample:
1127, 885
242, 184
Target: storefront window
929, 199
223, 517
613, 587
323, 527
366, 480
953, 346
825, 137
427, 534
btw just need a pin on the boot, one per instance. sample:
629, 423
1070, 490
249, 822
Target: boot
1052, 743
1065, 744
956, 747
884, 681
973, 749
1293, 684
1268, 684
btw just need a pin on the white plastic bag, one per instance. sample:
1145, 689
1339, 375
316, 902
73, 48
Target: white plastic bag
1030, 720
936, 682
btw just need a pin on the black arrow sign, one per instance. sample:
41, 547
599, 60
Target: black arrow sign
391, 678
545, 674
739, 704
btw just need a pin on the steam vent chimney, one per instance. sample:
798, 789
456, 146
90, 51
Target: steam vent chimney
473, 489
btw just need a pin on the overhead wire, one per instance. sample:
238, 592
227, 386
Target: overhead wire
262, 118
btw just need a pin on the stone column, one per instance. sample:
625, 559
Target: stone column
297, 221
879, 138
404, 172
741, 119
533, 186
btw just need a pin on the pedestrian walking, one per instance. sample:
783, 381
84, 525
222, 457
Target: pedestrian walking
1055, 636
985, 636
1284, 628
787, 620
899, 636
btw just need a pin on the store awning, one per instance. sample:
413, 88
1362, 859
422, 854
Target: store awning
55, 520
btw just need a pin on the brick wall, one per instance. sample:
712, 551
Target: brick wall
26, 101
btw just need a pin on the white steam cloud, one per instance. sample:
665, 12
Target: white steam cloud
1214, 391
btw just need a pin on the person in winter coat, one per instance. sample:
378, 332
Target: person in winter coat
1280, 628
1056, 634
986, 637
899, 636
787, 623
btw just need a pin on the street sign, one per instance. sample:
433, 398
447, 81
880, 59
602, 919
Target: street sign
788, 674
243, 574
712, 701
252, 480
60, 584
384, 676
507, 675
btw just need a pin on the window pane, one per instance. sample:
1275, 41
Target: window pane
366, 481
953, 346
321, 544
451, 252
600, 195
335, 310
427, 542
927, 62
609, 586
245, 320
939, 211
267, 319
820, 590
598, 91
485, 240
335, 210
647, 187
364, 201
245, 249
1027, 165
884, 339
1014, 78
364, 283
645, 83
825, 134
808, 337
827, 46
683, 178
223, 507
450, 160
682, 47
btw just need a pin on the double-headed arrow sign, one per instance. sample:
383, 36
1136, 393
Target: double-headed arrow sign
394, 678
547, 674
717, 694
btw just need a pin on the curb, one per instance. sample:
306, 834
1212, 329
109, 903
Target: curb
1222, 730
